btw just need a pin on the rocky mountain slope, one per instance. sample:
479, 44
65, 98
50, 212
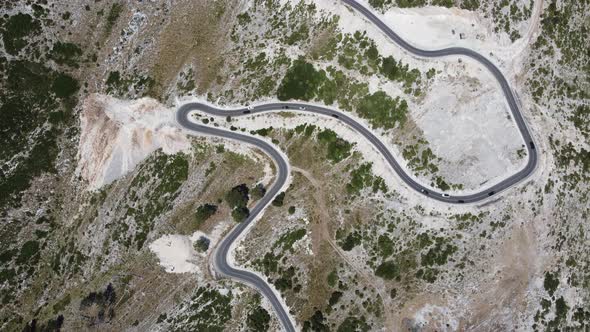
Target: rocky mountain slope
110, 212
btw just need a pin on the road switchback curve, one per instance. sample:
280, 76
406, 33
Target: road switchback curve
221, 254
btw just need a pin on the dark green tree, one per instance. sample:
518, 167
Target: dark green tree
237, 196
258, 320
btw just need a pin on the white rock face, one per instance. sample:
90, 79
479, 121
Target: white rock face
466, 120
176, 253
117, 135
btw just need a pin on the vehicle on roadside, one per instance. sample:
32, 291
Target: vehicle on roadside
445, 195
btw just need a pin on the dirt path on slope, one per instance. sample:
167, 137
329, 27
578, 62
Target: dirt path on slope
517, 264
529, 36
322, 233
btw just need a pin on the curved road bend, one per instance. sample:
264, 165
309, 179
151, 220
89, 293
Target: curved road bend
220, 259
506, 90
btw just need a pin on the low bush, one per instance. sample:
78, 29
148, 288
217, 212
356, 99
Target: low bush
204, 212
388, 270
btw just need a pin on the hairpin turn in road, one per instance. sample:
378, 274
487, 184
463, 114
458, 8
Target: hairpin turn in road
220, 258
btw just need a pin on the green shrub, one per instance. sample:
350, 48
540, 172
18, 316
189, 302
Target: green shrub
206, 310
338, 149
442, 184
202, 244
300, 82
6, 256
264, 131
28, 250
379, 4
372, 52
384, 246
240, 213
66, 54
7, 275
550, 282
258, 320
161, 318
204, 212
113, 16
438, 254
428, 274
244, 19
388, 270
443, 3
352, 240
391, 68
316, 322
287, 240
411, 3
334, 298
113, 80
362, 177
382, 111
561, 308
258, 191
15, 31
470, 4
64, 86
332, 278
279, 199
353, 324
237, 196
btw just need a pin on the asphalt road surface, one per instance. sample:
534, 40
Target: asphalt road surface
220, 258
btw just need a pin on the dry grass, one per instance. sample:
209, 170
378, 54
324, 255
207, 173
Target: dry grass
197, 32
318, 188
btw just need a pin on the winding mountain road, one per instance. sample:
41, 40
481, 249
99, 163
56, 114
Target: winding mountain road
221, 254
